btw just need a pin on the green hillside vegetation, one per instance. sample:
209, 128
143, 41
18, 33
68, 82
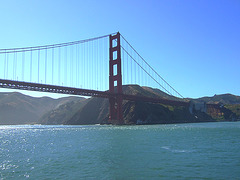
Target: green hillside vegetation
235, 108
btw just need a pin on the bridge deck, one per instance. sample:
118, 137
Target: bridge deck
51, 88
83, 92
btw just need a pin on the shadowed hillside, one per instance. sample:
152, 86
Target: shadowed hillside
96, 110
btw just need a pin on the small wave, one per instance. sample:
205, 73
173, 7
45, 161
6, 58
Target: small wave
176, 150
165, 147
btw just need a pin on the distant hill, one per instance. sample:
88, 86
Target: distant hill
16, 108
222, 98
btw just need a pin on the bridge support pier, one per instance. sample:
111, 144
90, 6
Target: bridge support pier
115, 75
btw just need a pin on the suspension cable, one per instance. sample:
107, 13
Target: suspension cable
152, 69
34, 48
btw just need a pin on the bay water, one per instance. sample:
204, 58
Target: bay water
177, 151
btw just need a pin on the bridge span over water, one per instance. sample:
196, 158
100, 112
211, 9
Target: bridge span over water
96, 67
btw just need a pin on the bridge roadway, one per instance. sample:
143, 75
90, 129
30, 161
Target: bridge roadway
83, 92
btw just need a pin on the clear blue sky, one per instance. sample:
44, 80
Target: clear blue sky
193, 44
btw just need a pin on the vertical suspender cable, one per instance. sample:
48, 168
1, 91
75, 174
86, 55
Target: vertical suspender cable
101, 64
72, 65
23, 64
77, 58
78, 65
65, 68
5, 65
97, 61
139, 74
52, 64
135, 72
31, 65
86, 65
59, 66
38, 63
45, 66
127, 67
84, 61
93, 64
89, 65
123, 63
106, 62
131, 68
81, 65
14, 66
75, 66
93, 68
97, 56
142, 75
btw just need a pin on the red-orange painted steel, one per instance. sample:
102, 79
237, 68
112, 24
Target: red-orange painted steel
52, 88
115, 101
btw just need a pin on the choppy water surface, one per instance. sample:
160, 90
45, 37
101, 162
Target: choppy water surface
181, 151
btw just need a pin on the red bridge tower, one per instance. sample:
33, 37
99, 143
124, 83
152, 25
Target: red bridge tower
115, 78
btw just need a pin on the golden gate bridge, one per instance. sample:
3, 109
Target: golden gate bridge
83, 68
